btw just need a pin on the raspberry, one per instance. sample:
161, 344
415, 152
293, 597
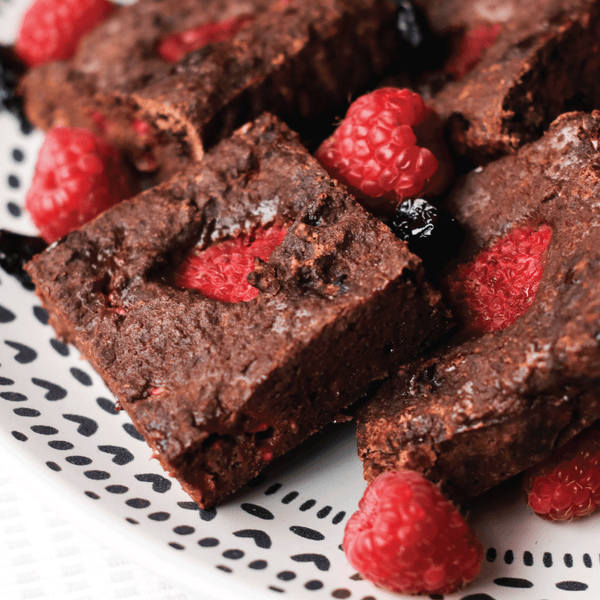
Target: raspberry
175, 46
567, 485
78, 175
220, 272
408, 538
470, 49
52, 29
500, 285
375, 152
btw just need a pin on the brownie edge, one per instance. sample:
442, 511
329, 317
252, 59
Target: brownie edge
220, 389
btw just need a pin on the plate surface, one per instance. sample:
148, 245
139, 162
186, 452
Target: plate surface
281, 535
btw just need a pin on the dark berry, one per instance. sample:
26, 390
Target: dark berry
15, 251
11, 70
409, 24
430, 233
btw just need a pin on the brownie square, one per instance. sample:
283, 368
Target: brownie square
298, 60
476, 412
543, 62
219, 389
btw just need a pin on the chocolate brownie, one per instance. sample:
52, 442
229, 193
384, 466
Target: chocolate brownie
475, 413
543, 62
217, 389
298, 59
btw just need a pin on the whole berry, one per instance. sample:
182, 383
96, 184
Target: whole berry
376, 151
567, 485
78, 175
175, 46
51, 29
500, 285
15, 251
221, 271
408, 538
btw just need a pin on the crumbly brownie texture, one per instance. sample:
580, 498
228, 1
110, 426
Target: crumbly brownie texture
476, 413
297, 59
544, 62
217, 389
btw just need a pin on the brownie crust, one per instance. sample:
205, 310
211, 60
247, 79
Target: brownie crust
219, 389
479, 411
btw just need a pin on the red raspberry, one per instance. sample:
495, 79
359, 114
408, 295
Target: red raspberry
52, 29
500, 285
567, 485
408, 538
220, 272
375, 152
175, 46
78, 175
470, 49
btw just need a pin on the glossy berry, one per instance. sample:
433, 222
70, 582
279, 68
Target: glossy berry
375, 149
408, 538
175, 46
11, 70
500, 285
78, 175
470, 49
51, 29
567, 485
15, 251
220, 272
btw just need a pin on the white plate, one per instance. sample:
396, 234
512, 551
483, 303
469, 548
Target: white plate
280, 537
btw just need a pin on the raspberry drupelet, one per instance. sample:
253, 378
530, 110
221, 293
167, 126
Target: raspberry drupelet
376, 151
408, 538
52, 29
78, 176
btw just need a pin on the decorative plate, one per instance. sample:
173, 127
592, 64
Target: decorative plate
279, 536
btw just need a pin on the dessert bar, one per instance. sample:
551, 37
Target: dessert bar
218, 389
298, 59
543, 60
475, 413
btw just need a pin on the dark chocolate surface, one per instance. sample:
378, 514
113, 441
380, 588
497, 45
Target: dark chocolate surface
475, 413
217, 389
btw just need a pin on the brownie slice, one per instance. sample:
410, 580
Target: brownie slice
475, 413
543, 62
298, 59
218, 389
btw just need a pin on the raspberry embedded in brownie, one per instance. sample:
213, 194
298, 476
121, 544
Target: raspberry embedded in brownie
218, 389
481, 409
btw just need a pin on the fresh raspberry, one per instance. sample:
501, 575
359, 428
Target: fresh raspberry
375, 152
220, 272
52, 29
175, 46
500, 285
470, 49
567, 485
78, 175
408, 538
